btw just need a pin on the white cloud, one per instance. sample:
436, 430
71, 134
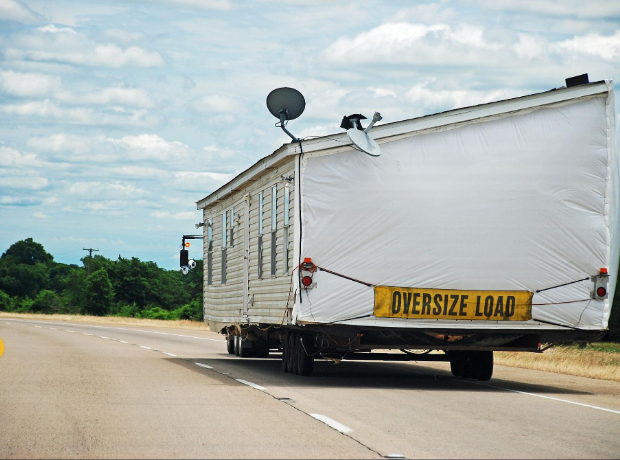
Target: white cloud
189, 215
119, 96
382, 92
424, 96
606, 47
574, 8
151, 146
102, 190
403, 42
204, 4
530, 46
40, 215
218, 103
28, 84
52, 29
29, 183
123, 35
11, 158
13, 10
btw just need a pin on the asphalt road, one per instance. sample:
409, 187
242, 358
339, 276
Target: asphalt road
78, 390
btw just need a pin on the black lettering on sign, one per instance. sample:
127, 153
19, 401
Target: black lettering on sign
499, 307
488, 306
416, 303
462, 311
445, 305
396, 300
510, 306
455, 299
437, 307
406, 302
478, 312
426, 304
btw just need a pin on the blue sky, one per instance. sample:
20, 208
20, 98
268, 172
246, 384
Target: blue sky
117, 116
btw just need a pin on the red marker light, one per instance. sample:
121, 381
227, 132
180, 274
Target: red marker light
603, 271
601, 292
306, 281
187, 245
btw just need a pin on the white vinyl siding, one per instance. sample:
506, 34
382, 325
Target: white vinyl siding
224, 302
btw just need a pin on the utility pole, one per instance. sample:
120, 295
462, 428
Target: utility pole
90, 257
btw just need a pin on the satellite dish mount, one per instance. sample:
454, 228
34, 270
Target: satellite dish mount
359, 136
286, 104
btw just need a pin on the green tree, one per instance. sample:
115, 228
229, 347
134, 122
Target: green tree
99, 293
46, 302
5, 301
27, 252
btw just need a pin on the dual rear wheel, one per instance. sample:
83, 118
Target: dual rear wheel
477, 365
297, 356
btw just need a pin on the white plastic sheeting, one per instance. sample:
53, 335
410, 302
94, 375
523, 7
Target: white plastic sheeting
526, 201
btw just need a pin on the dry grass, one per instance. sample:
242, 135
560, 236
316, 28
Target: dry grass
182, 324
597, 361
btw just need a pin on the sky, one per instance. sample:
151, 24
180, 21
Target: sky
116, 116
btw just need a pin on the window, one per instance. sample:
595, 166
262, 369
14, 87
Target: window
260, 235
224, 232
287, 205
274, 226
232, 227
209, 251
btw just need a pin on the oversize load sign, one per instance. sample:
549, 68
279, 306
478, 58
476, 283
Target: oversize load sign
395, 302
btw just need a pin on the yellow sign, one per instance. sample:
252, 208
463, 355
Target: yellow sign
1, 348
396, 302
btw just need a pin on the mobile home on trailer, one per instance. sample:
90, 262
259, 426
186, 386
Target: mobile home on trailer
479, 229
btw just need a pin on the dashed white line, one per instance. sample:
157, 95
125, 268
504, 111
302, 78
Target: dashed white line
548, 397
69, 330
107, 338
252, 384
86, 333
169, 354
53, 329
146, 348
122, 341
331, 422
38, 327
206, 366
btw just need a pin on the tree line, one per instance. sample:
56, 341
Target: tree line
32, 282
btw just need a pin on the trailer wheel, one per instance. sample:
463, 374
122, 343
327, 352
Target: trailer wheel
458, 363
244, 352
230, 344
305, 362
237, 344
482, 365
285, 352
260, 349
292, 352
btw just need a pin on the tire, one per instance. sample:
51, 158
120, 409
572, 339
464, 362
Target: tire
260, 349
237, 345
482, 365
285, 352
292, 354
244, 352
457, 364
230, 344
305, 362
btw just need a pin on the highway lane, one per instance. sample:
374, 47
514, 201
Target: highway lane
373, 408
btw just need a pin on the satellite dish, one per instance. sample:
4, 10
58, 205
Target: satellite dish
286, 104
362, 140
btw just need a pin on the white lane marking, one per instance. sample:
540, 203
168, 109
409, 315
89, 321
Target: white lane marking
122, 341
53, 329
331, 422
206, 366
146, 348
86, 333
129, 329
169, 354
547, 397
38, 327
107, 338
251, 384
69, 330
